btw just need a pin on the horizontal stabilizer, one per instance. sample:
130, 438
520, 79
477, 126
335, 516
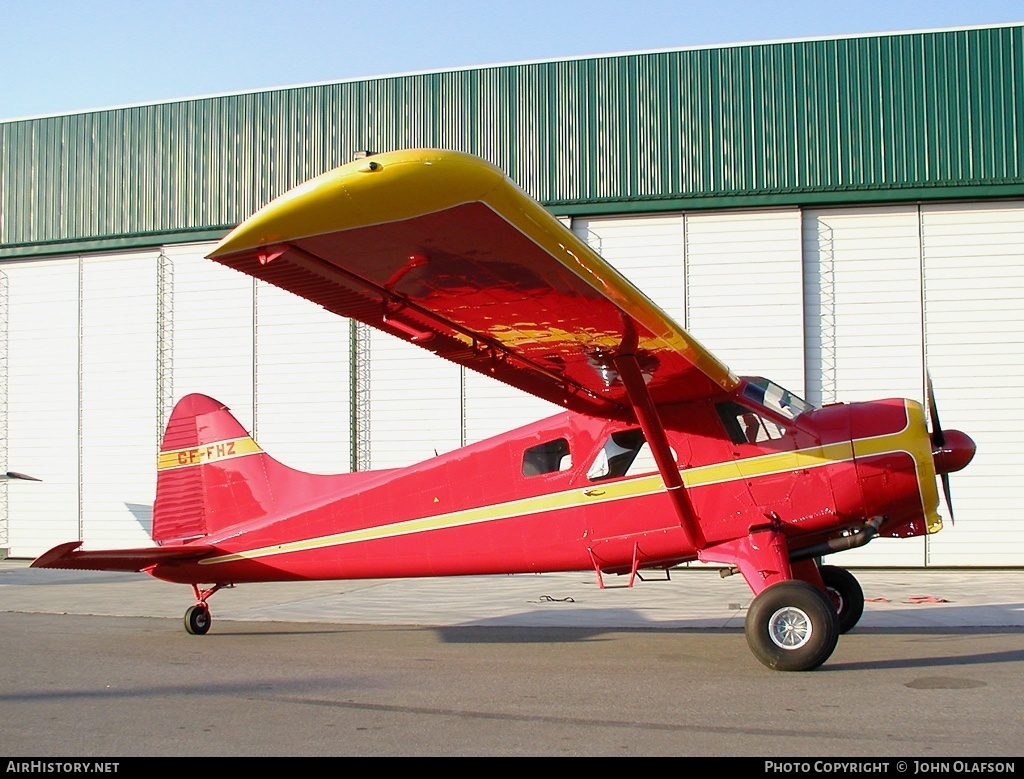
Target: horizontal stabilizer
68, 555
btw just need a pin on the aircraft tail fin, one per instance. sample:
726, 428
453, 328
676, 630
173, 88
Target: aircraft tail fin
212, 475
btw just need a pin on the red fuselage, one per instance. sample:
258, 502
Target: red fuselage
571, 492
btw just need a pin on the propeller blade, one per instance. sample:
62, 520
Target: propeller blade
938, 437
951, 452
949, 499
16, 475
938, 440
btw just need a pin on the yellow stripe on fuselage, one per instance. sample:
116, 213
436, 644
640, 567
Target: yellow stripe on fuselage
208, 453
905, 441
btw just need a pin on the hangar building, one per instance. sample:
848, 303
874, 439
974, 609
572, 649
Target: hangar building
842, 215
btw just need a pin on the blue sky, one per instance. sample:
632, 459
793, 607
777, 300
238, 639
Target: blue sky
61, 56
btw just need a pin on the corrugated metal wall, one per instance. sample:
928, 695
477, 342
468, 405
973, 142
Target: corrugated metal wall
931, 114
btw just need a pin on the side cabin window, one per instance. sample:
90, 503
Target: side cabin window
625, 453
549, 457
745, 426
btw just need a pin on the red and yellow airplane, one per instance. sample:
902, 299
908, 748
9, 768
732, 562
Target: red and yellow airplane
662, 455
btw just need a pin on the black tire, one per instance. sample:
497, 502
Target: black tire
197, 620
846, 594
792, 626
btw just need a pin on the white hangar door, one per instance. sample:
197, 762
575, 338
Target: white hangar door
81, 401
744, 291
414, 403
863, 298
974, 337
208, 330
119, 368
492, 408
41, 405
302, 380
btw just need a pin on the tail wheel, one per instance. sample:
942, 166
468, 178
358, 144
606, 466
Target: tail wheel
792, 626
197, 619
846, 594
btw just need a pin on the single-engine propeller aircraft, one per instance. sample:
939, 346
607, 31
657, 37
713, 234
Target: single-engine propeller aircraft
662, 455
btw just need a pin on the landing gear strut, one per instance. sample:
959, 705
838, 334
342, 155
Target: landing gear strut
197, 618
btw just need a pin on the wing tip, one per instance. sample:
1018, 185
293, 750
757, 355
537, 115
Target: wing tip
324, 204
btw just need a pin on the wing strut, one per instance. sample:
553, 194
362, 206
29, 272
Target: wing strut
647, 415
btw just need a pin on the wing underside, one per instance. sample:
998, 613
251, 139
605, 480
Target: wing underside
440, 249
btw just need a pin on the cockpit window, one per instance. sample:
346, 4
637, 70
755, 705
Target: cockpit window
549, 457
625, 453
745, 426
775, 398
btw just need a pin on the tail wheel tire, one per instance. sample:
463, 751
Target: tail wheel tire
846, 595
197, 620
792, 626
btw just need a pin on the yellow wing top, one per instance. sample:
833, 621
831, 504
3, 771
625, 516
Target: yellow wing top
441, 249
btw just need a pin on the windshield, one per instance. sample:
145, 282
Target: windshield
775, 398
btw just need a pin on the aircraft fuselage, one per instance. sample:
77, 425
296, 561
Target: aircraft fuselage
574, 492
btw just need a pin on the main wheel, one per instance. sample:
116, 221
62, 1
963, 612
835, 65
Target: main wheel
197, 619
792, 626
846, 594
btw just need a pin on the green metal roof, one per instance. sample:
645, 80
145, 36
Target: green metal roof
908, 116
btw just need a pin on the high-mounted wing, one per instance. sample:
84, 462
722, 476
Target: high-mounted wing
442, 250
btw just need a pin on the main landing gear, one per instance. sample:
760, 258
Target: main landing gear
846, 595
197, 618
795, 626
792, 626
